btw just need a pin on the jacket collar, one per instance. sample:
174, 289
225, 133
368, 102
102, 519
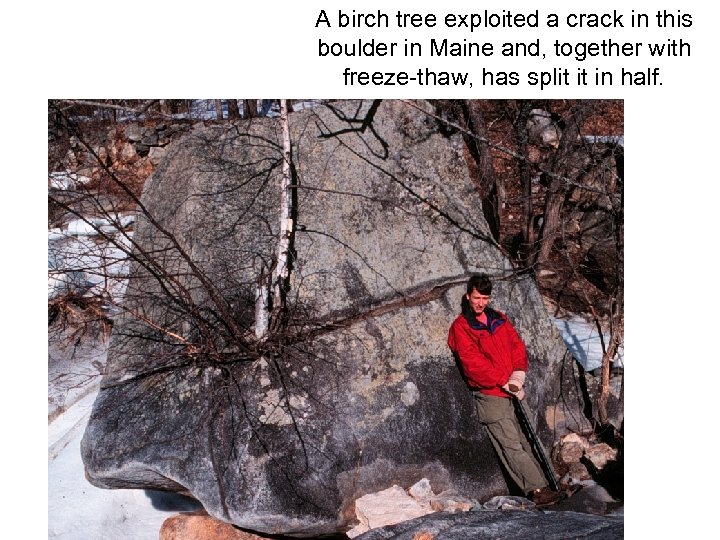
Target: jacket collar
494, 319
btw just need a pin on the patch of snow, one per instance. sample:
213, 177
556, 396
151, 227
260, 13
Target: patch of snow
75, 366
309, 104
55, 234
65, 180
94, 226
583, 341
610, 139
81, 261
80, 227
77, 510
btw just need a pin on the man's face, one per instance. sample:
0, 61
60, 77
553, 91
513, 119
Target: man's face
478, 301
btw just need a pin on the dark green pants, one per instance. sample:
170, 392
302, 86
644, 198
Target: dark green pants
511, 445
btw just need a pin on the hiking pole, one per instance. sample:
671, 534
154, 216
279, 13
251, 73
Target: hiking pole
534, 443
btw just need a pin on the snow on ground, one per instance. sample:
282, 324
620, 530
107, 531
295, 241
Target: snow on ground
81, 259
77, 510
583, 340
200, 109
66, 180
74, 368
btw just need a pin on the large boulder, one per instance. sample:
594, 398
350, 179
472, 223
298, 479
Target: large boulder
357, 392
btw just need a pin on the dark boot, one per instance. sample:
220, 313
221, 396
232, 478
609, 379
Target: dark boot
570, 489
546, 496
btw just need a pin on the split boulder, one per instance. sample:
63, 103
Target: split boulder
360, 393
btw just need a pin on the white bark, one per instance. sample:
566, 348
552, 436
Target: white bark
281, 271
262, 309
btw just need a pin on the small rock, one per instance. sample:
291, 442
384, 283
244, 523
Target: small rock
156, 154
576, 474
571, 452
600, 454
101, 152
128, 152
421, 491
574, 438
542, 130
199, 525
449, 501
591, 499
386, 507
142, 149
150, 138
133, 132
506, 502
410, 394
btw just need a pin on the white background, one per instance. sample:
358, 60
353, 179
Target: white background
89, 49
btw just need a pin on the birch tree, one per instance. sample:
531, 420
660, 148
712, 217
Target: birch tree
272, 289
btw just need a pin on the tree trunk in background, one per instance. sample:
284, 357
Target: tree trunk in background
618, 305
558, 187
250, 106
233, 109
491, 189
608, 355
468, 116
218, 109
521, 135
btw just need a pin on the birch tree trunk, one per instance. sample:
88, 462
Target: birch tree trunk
262, 306
271, 292
280, 280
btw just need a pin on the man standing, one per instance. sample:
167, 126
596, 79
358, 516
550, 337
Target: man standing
494, 363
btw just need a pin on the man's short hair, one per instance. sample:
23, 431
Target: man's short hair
480, 283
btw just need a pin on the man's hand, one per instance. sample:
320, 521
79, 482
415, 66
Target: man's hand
517, 378
515, 384
516, 391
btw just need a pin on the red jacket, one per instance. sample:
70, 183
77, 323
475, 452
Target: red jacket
488, 353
